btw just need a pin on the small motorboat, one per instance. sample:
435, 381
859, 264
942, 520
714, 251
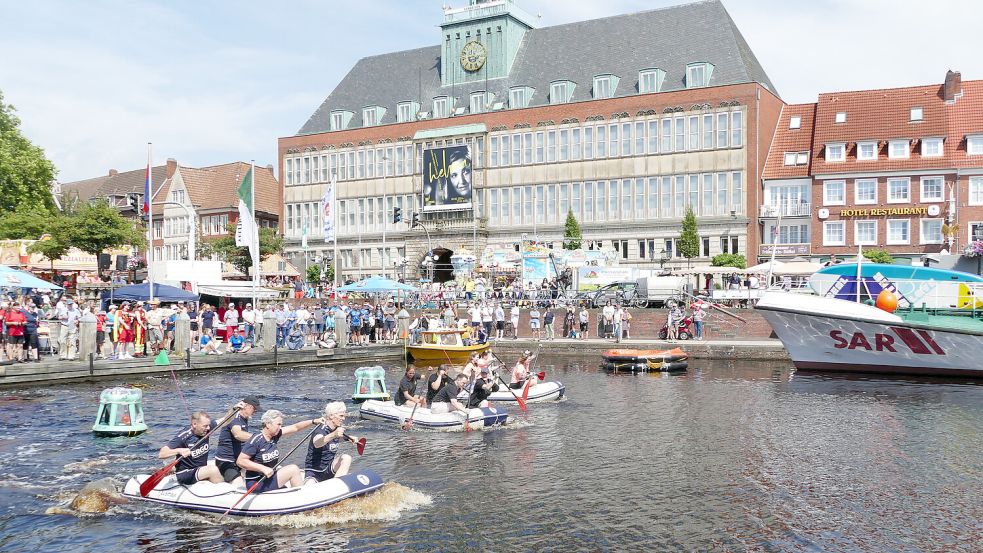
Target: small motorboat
387, 411
544, 391
218, 498
120, 413
444, 346
644, 355
370, 383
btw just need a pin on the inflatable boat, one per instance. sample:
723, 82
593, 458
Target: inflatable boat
664, 366
387, 411
644, 355
217, 498
544, 391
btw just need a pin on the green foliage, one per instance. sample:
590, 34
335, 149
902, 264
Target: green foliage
25, 173
269, 243
879, 256
689, 240
572, 237
329, 271
26, 222
729, 260
55, 244
314, 273
97, 226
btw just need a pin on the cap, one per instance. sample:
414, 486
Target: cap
251, 400
484, 370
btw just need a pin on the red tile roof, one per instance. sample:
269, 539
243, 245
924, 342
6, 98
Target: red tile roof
790, 140
216, 187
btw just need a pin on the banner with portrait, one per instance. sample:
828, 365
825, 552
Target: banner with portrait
447, 178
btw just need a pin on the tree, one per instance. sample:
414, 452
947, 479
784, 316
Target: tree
97, 226
54, 244
269, 243
25, 173
879, 256
314, 274
26, 222
572, 236
729, 260
689, 240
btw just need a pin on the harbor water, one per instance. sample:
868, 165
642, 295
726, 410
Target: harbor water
725, 457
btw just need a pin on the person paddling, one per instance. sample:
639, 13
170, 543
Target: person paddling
436, 382
483, 387
193, 466
446, 399
323, 462
406, 394
260, 454
520, 373
230, 441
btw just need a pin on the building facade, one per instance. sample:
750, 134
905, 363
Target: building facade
895, 169
625, 134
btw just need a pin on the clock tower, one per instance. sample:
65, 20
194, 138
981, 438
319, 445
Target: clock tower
480, 41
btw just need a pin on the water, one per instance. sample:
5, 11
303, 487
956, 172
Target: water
726, 457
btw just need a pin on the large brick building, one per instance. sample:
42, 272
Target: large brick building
898, 169
625, 121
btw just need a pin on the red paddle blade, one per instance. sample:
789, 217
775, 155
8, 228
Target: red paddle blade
522, 403
150, 483
360, 444
541, 375
525, 391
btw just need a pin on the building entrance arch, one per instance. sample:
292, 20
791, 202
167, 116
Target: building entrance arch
443, 271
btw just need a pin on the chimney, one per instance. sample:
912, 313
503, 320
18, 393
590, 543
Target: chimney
270, 167
953, 87
171, 167
113, 172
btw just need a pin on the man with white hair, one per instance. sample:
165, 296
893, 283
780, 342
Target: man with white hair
323, 462
260, 455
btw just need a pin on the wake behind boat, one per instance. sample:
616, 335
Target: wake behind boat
387, 411
207, 497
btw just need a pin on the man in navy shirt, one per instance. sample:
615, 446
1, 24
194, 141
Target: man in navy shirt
230, 441
260, 455
323, 463
193, 466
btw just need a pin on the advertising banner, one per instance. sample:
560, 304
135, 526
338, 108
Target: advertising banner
591, 278
447, 178
327, 211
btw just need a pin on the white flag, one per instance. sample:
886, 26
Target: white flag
327, 209
247, 233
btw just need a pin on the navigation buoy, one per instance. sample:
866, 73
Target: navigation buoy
887, 301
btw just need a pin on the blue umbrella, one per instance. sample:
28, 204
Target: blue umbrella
374, 285
14, 278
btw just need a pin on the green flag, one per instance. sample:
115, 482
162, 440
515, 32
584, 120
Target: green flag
162, 359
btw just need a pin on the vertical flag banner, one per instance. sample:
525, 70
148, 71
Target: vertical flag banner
147, 193
247, 233
327, 210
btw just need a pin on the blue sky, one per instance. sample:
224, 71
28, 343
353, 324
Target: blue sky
219, 81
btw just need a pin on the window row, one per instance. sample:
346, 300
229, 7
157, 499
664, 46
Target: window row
171, 252
870, 150
897, 232
898, 190
639, 199
653, 136
370, 257
176, 226
355, 216
214, 224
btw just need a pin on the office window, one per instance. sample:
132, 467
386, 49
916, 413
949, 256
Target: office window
370, 116
650, 80
575, 146
337, 121
834, 233
698, 74
626, 139
324, 168
736, 128
404, 112
722, 134
307, 170
932, 189
561, 92
667, 135
865, 233
588, 201
602, 144
639, 198
289, 170
932, 147
865, 191
737, 192
316, 169
369, 163
653, 138
601, 201
693, 193
506, 150
680, 196
564, 201
614, 199
527, 148
519, 97
694, 132
603, 86
564, 153
551, 203
834, 192
652, 191
540, 200
516, 149
705, 250
836, 152
898, 231
898, 149
588, 142
540, 147
898, 190
441, 107
613, 141
866, 151
666, 195
707, 130
707, 208
931, 231
551, 146
680, 133
517, 206
575, 199
722, 194
361, 164
493, 152
505, 207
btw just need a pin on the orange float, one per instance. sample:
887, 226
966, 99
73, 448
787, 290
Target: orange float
887, 301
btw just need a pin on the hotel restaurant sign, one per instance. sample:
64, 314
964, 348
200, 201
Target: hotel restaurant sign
785, 249
888, 212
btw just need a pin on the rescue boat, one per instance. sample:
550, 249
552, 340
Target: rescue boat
387, 411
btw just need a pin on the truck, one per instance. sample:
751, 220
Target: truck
641, 292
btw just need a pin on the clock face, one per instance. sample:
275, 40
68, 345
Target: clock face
473, 56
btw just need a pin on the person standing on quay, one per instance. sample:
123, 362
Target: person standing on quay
548, 324
584, 323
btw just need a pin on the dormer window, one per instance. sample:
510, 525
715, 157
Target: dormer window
932, 147
898, 149
561, 91
974, 144
340, 119
835, 152
650, 80
372, 115
840, 117
917, 114
795, 122
866, 151
605, 86
479, 101
441, 107
698, 74
519, 97
406, 111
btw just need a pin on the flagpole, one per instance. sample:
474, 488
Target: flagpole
252, 171
334, 228
150, 218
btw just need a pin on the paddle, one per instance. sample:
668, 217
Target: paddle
520, 401
359, 443
280, 462
150, 483
408, 423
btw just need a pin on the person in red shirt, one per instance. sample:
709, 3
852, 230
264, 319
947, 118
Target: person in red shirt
100, 332
14, 320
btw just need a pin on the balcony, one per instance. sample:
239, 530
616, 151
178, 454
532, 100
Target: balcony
786, 210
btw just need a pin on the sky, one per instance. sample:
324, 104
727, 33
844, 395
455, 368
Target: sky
219, 81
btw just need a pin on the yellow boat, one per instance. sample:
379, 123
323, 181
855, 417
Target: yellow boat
444, 346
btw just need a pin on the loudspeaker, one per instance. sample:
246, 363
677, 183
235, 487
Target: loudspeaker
105, 261
120, 262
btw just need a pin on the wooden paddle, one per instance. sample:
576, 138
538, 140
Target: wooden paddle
280, 462
408, 423
150, 483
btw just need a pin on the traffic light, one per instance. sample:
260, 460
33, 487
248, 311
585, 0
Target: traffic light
416, 220
397, 214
